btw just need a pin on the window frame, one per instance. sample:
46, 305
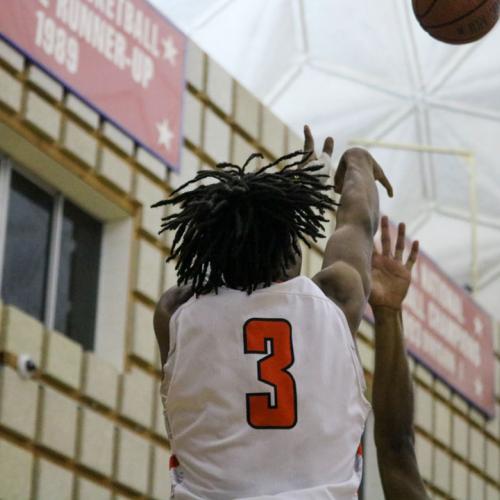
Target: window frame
119, 226
7, 166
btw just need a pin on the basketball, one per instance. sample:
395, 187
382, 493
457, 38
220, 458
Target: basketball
457, 21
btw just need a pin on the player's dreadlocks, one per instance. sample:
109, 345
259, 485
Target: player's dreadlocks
242, 231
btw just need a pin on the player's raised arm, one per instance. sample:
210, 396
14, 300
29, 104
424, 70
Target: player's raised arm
345, 276
392, 387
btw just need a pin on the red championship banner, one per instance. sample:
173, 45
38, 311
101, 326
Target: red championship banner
121, 56
449, 333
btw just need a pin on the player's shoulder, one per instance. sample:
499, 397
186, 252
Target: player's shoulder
172, 299
343, 285
340, 282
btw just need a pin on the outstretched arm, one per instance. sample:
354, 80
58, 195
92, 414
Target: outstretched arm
392, 386
345, 274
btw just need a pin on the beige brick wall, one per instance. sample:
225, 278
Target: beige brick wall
99, 433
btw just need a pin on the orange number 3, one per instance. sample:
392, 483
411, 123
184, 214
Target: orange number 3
272, 370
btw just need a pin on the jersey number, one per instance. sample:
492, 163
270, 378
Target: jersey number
272, 369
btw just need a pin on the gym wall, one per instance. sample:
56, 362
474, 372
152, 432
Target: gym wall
88, 424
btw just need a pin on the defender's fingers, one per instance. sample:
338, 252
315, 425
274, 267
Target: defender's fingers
412, 258
400, 242
385, 236
328, 146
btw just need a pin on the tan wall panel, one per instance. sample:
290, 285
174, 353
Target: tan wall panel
219, 86
423, 408
115, 170
95, 447
190, 164
217, 137
87, 490
424, 452
10, 91
192, 118
150, 261
459, 477
143, 337
460, 434
247, 110
161, 473
43, 115
16, 466
57, 424
441, 473
132, 461
62, 359
52, 482
195, 65
80, 143
147, 193
136, 398
100, 380
21, 334
18, 403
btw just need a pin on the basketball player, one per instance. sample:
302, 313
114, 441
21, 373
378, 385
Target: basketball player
392, 387
262, 386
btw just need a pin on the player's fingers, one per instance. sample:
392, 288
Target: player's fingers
385, 182
380, 176
412, 258
309, 142
385, 236
400, 242
328, 146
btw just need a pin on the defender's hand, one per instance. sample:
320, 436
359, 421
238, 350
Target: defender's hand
390, 276
360, 156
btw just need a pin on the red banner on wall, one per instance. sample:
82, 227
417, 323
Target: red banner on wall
448, 332
121, 56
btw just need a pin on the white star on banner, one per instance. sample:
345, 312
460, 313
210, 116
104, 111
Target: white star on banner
169, 50
165, 134
478, 387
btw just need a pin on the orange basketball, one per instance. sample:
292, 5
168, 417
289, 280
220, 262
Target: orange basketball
457, 21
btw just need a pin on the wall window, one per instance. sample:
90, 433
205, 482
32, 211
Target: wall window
49, 255
78, 275
27, 246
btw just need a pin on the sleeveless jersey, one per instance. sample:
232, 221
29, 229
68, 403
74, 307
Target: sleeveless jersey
263, 396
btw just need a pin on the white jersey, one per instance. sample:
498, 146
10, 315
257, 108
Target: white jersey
263, 396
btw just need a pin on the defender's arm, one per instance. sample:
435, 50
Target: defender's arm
392, 384
393, 410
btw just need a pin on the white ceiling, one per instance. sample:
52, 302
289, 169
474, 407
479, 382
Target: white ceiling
366, 69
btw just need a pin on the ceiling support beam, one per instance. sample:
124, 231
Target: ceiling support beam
352, 76
209, 15
283, 84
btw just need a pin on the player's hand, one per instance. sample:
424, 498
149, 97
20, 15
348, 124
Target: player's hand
360, 156
390, 276
325, 158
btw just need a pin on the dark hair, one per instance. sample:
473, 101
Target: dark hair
242, 231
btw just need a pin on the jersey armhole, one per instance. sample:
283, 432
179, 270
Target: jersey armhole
168, 369
356, 360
